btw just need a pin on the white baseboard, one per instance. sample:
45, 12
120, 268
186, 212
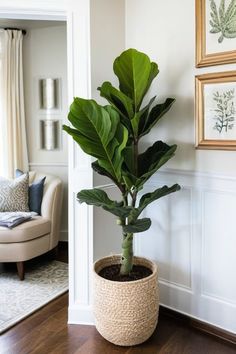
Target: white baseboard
79, 314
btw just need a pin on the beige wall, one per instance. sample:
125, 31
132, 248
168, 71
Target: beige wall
165, 30
107, 42
107, 39
45, 55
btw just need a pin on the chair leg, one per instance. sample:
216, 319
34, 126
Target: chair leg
55, 251
20, 270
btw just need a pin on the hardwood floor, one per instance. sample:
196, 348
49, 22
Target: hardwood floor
47, 332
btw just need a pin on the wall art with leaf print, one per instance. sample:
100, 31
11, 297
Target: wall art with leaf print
216, 111
215, 32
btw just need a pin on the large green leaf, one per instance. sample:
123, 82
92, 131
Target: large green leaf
130, 180
135, 73
129, 158
93, 120
99, 133
148, 163
99, 198
122, 103
101, 171
152, 159
120, 141
148, 198
153, 73
141, 117
139, 225
156, 113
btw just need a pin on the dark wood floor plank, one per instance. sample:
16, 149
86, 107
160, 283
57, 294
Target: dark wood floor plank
51, 326
96, 344
65, 341
199, 325
189, 341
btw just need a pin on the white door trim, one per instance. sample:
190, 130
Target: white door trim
80, 174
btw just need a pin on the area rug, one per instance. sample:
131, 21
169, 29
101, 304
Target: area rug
18, 299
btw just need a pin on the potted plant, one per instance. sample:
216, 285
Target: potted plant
125, 287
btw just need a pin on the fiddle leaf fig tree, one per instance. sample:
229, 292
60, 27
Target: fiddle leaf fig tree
111, 134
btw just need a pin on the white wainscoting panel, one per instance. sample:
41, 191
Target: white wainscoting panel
218, 246
107, 234
193, 241
169, 243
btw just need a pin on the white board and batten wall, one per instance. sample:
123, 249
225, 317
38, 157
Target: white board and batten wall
193, 234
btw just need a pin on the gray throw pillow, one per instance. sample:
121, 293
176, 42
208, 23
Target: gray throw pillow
14, 193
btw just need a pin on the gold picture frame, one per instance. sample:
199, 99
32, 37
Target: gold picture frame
213, 48
215, 102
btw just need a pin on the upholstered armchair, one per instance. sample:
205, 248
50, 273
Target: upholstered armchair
40, 234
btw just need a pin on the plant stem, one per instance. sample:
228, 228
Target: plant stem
125, 199
134, 197
127, 255
136, 157
127, 244
127, 247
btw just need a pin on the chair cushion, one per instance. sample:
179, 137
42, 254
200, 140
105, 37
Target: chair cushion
14, 194
29, 230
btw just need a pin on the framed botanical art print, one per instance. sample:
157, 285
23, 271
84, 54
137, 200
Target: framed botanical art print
216, 111
215, 32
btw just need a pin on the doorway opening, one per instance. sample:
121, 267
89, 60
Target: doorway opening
44, 54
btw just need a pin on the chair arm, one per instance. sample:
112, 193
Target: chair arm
51, 207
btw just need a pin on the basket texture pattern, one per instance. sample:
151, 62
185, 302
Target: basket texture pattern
126, 313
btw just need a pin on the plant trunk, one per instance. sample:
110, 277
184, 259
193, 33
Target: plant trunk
127, 255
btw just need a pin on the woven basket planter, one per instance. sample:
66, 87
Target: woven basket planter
126, 313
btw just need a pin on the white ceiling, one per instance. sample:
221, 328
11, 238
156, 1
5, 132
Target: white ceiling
29, 24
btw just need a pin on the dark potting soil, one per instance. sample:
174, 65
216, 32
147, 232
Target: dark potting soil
113, 273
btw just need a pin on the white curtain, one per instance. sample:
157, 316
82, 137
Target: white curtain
3, 121
13, 145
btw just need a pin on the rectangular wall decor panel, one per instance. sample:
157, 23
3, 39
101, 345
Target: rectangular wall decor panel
218, 246
168, 241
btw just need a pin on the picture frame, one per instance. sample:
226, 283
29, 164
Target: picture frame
214, 46
215, 116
